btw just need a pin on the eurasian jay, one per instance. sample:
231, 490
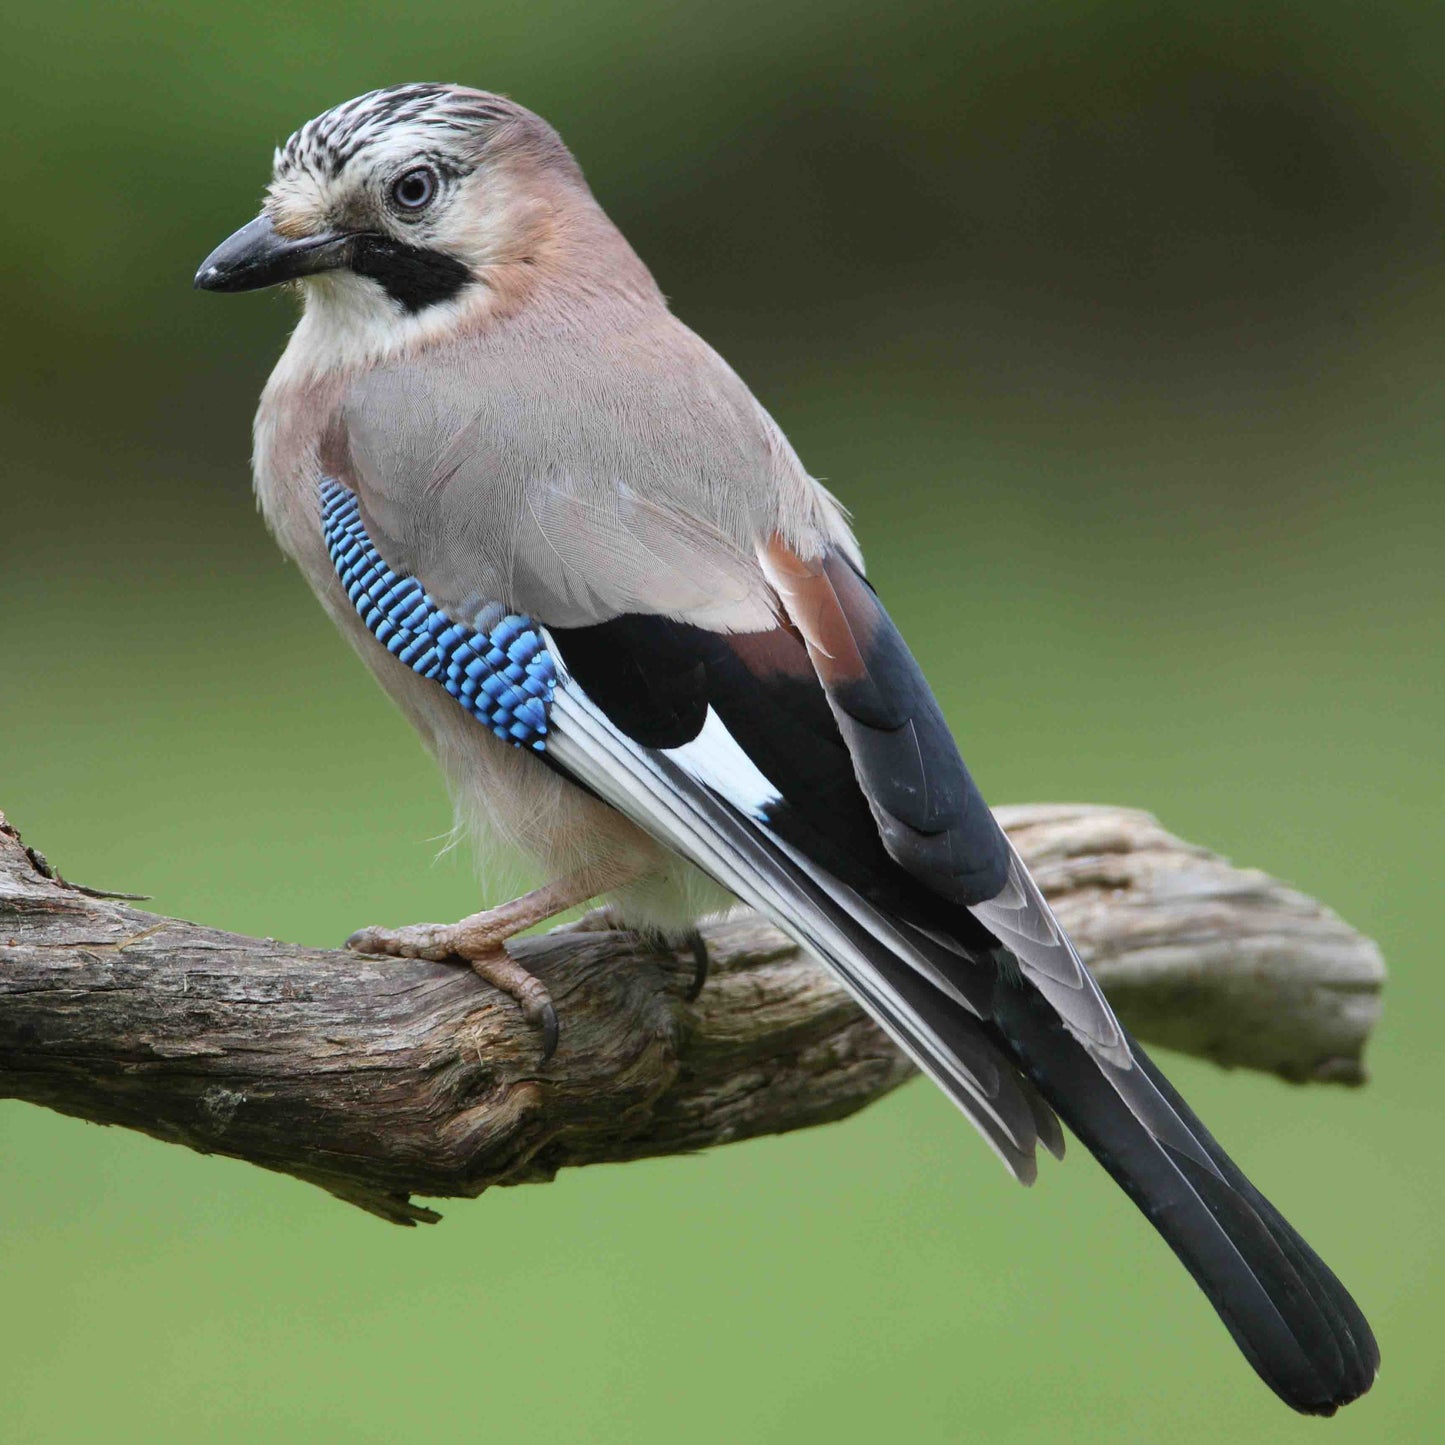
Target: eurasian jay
638, 638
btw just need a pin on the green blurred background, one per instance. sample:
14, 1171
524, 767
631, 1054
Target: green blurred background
1119, 327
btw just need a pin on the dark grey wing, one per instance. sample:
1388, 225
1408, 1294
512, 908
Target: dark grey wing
724, 747
818, 783
732, 751
933, 822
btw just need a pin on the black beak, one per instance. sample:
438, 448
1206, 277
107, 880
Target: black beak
258, 255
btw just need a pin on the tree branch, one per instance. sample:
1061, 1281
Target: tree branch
380, 1079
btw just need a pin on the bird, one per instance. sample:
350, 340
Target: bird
640, 641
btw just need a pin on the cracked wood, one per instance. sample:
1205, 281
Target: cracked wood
380, 1079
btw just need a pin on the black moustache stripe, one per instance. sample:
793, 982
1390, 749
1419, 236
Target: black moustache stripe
412, 275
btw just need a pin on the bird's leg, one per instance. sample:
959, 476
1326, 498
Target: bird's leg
481, 940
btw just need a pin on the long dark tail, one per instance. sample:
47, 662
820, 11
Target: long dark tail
1000, 1049
1294, 1321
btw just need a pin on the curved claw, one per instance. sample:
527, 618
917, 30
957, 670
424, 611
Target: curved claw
698, 946
550, 1031
502, 971
487, 957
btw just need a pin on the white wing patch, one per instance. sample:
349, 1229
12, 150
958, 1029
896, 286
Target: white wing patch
716, 761
698, 813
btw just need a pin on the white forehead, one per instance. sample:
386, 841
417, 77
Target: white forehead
387, 126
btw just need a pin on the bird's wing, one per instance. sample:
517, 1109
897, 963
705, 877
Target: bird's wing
929, 814
806, 768
684, 729
645, 481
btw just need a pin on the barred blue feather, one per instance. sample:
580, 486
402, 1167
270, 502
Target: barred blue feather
503, 675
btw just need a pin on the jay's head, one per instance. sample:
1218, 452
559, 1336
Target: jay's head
406, 202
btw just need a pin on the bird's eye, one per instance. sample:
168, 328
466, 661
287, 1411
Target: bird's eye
415, 189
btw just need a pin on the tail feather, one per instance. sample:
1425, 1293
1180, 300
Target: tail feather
1349, 1330
1289, 1315
1007, 1056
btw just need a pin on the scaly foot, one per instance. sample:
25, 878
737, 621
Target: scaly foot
481, 942
476, 942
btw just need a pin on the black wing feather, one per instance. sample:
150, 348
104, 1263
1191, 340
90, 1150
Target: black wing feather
656, 678
871, 793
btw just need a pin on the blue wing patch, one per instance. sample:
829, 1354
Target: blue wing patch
503, 674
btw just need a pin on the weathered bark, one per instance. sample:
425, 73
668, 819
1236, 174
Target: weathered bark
379, 1079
